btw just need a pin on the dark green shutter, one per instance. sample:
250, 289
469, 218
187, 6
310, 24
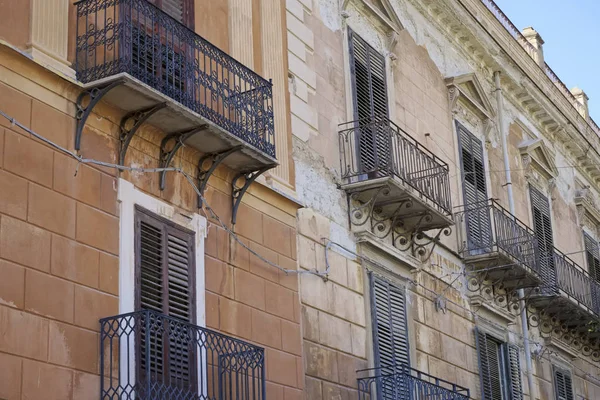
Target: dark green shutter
563, 386
515, 383
390, 332
592, 252
592, 255
489, 366
474, 185
369, 87
499, 369
165, 284
542, 226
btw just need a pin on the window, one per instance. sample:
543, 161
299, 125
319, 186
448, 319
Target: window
500, 368
478, 223
181, 10
369, 88
165, 275
592, 253
542, 226
390, 333
563, 386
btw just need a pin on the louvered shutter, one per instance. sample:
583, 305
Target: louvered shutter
370, 104
515, 389
478, 222
592, 252
174, 8
390, 334
563, 386
165, 268
542, 225
489, 366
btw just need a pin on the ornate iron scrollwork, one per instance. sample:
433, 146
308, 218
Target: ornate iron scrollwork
239, 191
93, 96
405, 229
561, 322
136, 118
204, 173
178, 139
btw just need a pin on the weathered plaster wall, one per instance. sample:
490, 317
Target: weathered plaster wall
443, 343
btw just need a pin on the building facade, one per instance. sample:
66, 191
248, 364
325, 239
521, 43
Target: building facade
451, 174
317, 199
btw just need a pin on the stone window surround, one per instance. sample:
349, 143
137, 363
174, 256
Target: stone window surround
129, 196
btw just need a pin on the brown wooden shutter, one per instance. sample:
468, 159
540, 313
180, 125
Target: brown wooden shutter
165, 270
181, 10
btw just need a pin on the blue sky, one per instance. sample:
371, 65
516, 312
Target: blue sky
571, 32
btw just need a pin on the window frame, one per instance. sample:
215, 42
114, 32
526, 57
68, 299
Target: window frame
129, 197
566, 373
144, 215
508, 391
373, 277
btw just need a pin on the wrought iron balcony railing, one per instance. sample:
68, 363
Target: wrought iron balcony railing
564, 277
148, 355
407, 384
137, 38
376, 147
492, 231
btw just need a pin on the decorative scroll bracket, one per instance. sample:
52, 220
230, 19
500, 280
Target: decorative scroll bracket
178, 139
404, 235
238, 192
138, 118
83, 112
204, 174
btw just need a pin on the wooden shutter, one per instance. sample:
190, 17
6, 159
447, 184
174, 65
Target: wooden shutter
515, 384
592, 255
542, 226
592, 252
490, 370
563, 386
369, 86
165, 281
181, 10
478, 222
390, 331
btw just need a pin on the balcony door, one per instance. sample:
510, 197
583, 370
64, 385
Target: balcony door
477, 216
165, 282
159, 53
369, 86
390, 338
542, 224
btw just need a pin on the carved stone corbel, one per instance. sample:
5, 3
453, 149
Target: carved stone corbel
392, 41
581, 215
527, 167
551, 186
453, 95
345, 15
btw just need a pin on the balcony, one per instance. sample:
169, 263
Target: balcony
568, 295
393, 178
135, 56
407, 384
497, 244
148, 355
